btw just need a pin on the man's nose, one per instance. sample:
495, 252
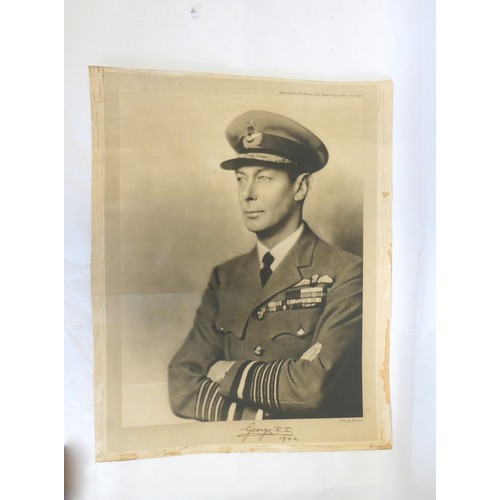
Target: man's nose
249, 191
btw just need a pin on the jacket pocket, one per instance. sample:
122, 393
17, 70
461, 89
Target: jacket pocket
229, 321
231, 328
296, 322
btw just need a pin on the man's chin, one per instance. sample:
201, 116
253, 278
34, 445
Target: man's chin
262, 232
254, 227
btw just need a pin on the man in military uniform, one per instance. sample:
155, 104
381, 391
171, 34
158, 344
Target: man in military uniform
278, 331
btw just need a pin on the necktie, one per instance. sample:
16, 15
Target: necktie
266, 270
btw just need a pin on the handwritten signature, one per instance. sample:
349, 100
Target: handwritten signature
281, 433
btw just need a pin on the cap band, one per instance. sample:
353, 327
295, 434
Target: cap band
273, 144
265, 157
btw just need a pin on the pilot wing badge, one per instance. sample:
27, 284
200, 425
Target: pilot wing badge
308, 292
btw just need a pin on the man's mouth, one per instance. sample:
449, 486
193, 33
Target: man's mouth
253, 213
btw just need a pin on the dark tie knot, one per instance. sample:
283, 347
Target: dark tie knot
268, 259
266, 270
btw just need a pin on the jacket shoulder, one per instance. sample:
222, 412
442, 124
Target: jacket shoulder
336, 260
334, 253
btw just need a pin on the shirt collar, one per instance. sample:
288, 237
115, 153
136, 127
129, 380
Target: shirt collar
281, 249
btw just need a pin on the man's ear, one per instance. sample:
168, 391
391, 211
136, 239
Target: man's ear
302, 184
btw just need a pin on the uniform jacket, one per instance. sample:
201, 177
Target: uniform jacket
314, 295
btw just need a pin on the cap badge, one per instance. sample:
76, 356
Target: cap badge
253, 138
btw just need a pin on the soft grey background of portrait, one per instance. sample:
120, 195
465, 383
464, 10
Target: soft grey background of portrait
349, 39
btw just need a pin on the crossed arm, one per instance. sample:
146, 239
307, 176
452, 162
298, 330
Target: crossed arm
220, 368
204, 386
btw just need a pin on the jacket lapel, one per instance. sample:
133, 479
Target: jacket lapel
247, 279
289, 271
246, 292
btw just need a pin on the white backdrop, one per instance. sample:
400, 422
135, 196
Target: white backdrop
322, 40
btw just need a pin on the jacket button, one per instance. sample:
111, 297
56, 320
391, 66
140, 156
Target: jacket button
220, 329
260, 314
258, 350
301, 332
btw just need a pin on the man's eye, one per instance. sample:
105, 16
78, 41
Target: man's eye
263, 178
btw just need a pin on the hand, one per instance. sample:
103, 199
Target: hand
218, 370
312, 353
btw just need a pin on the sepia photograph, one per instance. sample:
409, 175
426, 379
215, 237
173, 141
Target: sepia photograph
241, 263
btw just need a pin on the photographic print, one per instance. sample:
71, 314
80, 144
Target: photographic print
241, 263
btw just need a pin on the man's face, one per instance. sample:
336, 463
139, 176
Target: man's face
267, 198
